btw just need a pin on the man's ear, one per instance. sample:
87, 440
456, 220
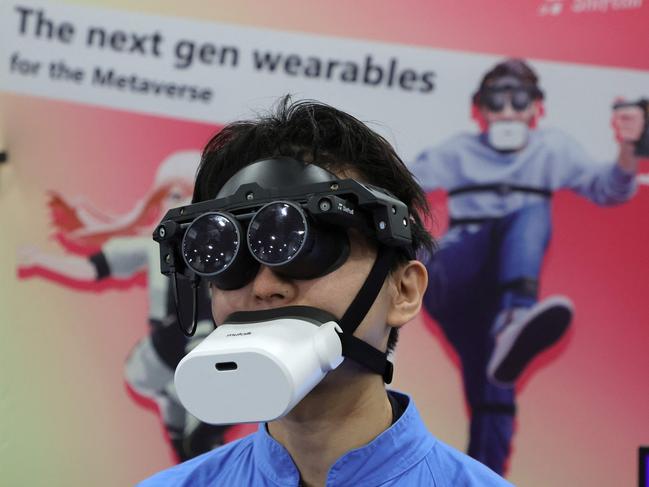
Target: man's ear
539, 111
408, 284
478, 117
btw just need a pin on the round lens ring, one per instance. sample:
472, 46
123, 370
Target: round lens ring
277, 233
521, 100
495, 100
211, 243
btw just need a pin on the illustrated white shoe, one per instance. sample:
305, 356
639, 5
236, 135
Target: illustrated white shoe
523, 333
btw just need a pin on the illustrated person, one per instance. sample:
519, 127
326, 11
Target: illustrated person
485, 278
126, 250
347, 429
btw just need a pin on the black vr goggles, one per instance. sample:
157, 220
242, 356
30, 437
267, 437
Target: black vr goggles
292, 217
495, 94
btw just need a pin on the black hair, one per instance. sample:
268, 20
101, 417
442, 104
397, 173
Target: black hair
316, 133
516, 68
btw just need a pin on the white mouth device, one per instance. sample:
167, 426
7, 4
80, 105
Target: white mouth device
253, 372
507, 135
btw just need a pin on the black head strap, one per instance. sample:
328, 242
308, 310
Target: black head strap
365, 354
369, 291
354, 347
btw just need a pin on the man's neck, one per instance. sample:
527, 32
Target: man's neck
332, 420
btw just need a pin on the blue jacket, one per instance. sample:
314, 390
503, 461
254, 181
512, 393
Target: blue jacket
406, 454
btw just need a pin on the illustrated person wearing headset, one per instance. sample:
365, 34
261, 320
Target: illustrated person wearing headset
120, 249
305, 224
485, 278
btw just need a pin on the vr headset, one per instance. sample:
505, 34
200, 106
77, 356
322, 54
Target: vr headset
299, 230
495, 95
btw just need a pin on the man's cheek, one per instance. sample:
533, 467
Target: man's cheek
218, 307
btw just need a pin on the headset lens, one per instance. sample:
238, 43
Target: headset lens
277, 233
211, 243
521, 99
495, 100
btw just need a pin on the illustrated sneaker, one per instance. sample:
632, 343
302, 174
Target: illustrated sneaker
523, 334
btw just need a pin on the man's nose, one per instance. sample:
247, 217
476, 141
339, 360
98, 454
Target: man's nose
270, 288
508, 110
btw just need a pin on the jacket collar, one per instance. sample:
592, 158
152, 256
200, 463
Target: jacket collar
394, 451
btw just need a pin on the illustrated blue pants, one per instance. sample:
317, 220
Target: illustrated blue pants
478, 271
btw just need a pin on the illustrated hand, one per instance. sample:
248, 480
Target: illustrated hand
628, 122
